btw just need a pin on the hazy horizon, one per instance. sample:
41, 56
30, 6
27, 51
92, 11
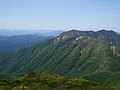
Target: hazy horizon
10, 32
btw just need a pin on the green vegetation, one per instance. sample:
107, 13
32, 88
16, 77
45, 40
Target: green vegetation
72, 54
50, 81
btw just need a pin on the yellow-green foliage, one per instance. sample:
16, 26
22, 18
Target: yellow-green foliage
50, 81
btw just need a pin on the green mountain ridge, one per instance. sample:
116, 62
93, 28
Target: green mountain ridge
73, 53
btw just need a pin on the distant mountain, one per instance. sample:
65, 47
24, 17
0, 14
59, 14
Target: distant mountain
11, 32
11, 43
52, 33
93, 55
3, 37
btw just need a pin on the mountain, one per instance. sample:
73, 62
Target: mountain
51, 33
109, 36
11, 32
74, 53
11, 43
3, 37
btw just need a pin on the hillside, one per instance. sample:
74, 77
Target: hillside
50, 81
73, 53
9, 44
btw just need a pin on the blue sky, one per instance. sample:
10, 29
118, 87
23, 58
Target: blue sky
60, 14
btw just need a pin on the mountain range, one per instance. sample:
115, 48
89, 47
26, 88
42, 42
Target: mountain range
9, 44
11, 32
88, 54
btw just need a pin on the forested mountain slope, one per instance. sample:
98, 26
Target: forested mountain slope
74, 53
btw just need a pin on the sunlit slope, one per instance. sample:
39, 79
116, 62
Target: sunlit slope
70, 54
